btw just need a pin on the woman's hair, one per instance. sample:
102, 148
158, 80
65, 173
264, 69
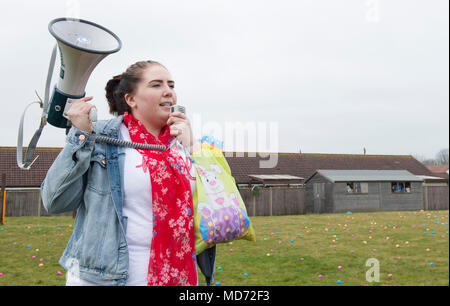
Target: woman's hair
120, 85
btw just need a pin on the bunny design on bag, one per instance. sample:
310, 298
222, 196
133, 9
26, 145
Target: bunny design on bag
222, 218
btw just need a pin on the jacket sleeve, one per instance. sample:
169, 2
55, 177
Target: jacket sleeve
63, 188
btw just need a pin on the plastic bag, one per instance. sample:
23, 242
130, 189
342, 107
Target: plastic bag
220, 212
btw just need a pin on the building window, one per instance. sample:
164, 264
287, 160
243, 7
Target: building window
401, 187
357, 187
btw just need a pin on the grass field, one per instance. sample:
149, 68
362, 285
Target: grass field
412, 248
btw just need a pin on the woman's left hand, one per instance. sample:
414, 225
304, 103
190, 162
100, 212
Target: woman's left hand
180, 127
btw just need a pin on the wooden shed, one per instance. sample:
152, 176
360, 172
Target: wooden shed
273, 195
334, 191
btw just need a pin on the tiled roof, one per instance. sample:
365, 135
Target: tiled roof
296, 164
306, 164
439, 170
16, 177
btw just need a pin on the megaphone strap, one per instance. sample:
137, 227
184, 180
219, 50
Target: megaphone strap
51, 68
27, 163
31, 147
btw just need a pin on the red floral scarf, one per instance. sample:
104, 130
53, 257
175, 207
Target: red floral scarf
172, 253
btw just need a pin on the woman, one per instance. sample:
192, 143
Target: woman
134, 222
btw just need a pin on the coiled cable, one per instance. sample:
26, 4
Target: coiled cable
129, 144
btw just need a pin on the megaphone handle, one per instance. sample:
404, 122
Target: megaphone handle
93, 114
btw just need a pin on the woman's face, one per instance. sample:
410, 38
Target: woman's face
153, 97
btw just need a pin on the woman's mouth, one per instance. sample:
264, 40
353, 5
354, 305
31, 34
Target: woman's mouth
166, 105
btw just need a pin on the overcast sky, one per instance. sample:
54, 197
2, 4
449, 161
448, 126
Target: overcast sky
320, 76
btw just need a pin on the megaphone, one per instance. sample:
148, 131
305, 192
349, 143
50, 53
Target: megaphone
82, 45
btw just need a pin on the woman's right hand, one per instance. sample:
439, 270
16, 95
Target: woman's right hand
79, 114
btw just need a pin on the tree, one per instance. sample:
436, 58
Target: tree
442, 157
425, 160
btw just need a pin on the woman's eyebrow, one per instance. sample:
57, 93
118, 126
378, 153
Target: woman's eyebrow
161, 81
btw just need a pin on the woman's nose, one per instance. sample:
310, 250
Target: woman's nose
168, 92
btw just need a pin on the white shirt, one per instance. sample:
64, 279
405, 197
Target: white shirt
137, 207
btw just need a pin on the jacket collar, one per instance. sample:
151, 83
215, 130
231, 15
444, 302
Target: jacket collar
111, 127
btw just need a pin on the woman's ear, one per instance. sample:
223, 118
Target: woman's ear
129, 99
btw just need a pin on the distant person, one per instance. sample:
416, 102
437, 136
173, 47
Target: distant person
349, 189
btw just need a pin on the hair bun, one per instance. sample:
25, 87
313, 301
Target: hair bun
111, 88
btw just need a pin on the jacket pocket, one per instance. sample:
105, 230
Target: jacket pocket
97, 179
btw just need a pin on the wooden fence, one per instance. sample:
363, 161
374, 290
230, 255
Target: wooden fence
274, 201
268, 201
435, 196
26, 202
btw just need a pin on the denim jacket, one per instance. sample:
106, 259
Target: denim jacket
88, 177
